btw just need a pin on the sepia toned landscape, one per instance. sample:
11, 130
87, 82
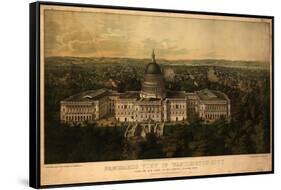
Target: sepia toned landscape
247, 132
228, 61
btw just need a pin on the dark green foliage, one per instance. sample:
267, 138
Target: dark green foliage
247, 133
151, 148
82, 144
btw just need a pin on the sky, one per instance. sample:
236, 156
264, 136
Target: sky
91, 34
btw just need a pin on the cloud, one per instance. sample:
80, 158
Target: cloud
208, 54
110, 33
70, 36
80, 33
83, 47
164, 47
79, 41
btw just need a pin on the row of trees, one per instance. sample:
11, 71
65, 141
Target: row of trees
64, 144
248, 132
197, 139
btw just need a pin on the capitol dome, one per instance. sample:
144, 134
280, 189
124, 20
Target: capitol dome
152, 68
153, 85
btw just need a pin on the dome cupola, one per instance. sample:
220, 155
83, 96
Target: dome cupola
153, 85
153, 67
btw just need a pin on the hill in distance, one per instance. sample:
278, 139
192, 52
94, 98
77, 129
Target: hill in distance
64, 61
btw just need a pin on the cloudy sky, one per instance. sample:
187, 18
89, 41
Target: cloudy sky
87, 34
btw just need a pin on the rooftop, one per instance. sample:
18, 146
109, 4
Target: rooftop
153, 67
130, 95
207, 94
150, 99
176, 94
88, 95
91, 95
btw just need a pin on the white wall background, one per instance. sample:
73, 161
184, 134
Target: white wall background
14, 93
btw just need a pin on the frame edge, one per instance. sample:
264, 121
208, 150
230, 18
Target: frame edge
34, 96
34, 133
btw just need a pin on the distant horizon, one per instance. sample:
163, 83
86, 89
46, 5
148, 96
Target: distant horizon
163, 59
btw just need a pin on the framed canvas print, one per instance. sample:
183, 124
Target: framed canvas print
121, 94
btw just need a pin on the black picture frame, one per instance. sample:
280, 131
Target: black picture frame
34, 91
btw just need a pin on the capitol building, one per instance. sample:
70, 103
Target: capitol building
153, 103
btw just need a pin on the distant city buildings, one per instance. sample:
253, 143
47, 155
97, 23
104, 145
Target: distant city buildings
152, 104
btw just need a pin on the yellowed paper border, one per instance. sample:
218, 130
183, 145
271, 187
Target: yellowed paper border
56, 174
